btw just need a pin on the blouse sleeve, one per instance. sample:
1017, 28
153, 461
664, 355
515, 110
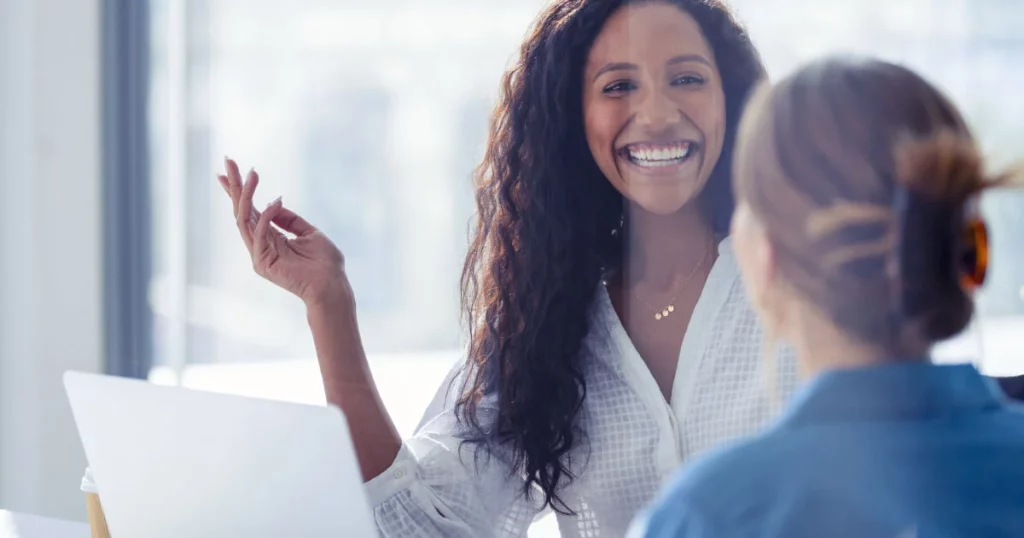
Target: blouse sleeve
438, 486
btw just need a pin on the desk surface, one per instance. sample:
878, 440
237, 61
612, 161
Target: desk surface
14, 525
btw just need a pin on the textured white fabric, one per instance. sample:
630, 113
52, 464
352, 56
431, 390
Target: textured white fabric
635, 438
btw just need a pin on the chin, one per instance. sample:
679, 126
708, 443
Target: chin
661, 204
660, 200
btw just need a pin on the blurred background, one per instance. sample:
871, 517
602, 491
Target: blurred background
119, 251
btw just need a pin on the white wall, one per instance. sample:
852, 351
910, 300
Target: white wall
50, 249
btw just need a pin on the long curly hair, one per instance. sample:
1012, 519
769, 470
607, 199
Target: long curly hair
548, 229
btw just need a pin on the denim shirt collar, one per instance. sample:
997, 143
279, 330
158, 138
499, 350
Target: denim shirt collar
905, 390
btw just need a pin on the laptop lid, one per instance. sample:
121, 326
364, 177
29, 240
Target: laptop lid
173, 462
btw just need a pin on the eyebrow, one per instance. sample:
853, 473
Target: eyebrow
624, 66
690, 58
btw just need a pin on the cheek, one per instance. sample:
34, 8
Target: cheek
599, 124
602, 121
707, 110
715, 124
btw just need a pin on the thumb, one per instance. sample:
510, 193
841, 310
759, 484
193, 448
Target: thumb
292, 223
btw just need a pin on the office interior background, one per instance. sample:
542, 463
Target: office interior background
118, 251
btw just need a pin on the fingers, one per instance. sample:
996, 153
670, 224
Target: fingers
263, 235
234, 182
256, 236
244, 215
292, 223
225, 184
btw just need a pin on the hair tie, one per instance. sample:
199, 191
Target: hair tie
938, 244
975, 256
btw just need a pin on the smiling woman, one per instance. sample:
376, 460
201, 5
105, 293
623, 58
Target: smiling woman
555, 353
610, 338
655, 122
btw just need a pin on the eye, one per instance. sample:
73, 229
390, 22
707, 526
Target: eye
688, 80
618, 87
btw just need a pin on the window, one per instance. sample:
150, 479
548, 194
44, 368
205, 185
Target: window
348, 185
368, 117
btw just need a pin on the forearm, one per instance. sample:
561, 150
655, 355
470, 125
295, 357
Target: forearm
349, 385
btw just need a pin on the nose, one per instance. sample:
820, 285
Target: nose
656, 111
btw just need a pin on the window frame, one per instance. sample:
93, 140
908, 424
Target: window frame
128, 323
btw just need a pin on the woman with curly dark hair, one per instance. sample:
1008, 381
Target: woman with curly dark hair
610, 338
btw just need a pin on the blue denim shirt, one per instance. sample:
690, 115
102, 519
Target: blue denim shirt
908, 450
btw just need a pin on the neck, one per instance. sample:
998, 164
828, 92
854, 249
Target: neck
839, 355
661, 248
822, 346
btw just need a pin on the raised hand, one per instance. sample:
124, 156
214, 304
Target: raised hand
303, 261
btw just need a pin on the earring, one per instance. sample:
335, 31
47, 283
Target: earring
622, 224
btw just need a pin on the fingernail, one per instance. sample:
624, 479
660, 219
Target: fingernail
276, 201
227, 161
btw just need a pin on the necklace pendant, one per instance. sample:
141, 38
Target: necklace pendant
658, 316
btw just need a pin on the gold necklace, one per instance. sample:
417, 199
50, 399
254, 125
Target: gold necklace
662, 313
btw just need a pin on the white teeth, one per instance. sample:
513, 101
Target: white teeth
660, 156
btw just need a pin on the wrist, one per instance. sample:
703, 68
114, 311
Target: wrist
333, 298
331, 315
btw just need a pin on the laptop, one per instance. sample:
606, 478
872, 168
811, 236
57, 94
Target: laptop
172, 462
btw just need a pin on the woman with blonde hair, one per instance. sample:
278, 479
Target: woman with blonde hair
860, 244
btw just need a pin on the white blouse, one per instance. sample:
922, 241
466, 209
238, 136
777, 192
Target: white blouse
722, 391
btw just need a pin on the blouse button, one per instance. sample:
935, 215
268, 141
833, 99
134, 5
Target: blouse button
399, 474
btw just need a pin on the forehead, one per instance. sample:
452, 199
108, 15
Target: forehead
647, 32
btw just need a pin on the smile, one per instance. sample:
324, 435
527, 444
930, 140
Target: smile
659, 155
